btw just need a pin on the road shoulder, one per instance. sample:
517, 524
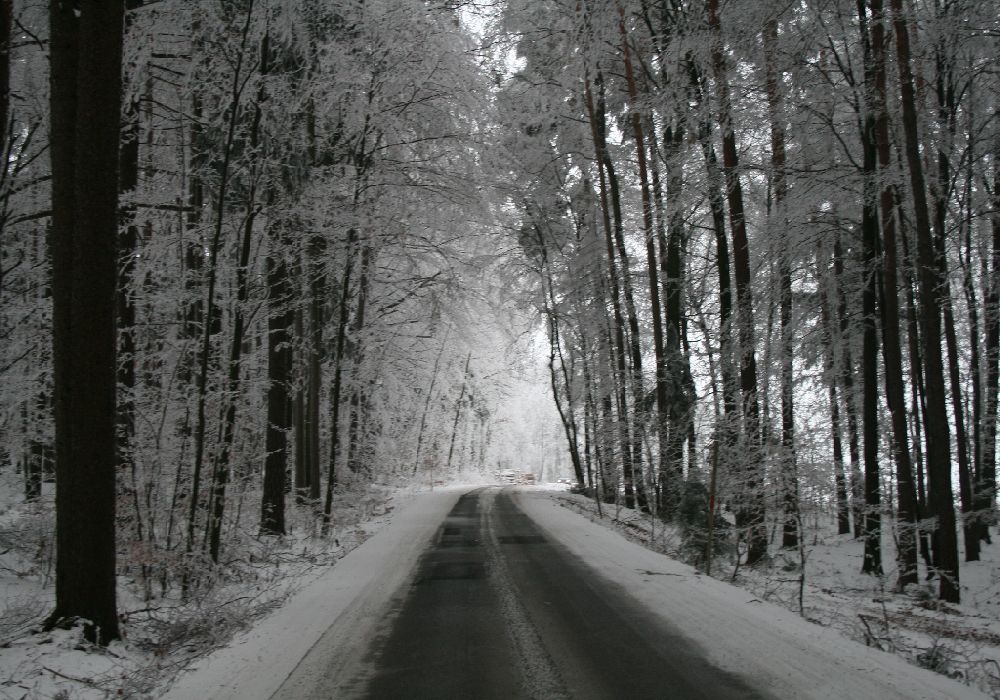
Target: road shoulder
784, 654
338, 610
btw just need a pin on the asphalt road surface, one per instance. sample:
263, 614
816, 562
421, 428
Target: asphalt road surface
497, 610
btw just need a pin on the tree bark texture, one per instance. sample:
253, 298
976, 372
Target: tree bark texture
86, 102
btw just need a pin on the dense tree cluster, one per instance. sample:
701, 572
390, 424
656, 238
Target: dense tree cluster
761, 231
284, 253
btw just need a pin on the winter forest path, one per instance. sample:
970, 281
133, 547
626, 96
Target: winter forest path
496, 609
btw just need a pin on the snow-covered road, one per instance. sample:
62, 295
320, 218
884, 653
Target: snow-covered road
333, 638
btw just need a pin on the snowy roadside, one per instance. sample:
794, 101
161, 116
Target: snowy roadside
264, 588
343, 604
778, 649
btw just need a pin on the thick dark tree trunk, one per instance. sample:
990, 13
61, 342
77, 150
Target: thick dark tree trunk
946, 120
974, 521
672, 254
279, 367
726, 427
918, 399
86, 101
958, 411
726, 432
936, 415
632, 337
892, 352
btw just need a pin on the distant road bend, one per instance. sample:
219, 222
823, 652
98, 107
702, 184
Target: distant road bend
495, 610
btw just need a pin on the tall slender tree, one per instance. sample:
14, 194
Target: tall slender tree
752, 510
928, 275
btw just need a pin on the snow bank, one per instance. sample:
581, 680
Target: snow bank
777, 650
341, 606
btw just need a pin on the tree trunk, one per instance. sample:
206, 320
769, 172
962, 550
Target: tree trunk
86, 101
279, 366
672, 252
128, 180
668, 477
358, 396
892, 352
336, 389
6, 26
238, 82
751, 514
726, 427
596, 118
427, 401
985, 486
946, 119
936, 416
846, 374
871, 269
314, 386
918, 400
790, 496
458, 411
299, 407
222, 468
830, 370
566, 414
633, 337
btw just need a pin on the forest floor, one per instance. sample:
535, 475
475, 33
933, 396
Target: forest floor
823, 583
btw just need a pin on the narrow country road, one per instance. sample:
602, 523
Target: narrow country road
497, 610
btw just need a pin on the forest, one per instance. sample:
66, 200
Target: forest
768, 244
264, 259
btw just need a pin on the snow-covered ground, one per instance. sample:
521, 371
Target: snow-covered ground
959, 641
339, 607
162, 632
781, 652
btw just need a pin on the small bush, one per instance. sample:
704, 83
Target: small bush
692, 518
